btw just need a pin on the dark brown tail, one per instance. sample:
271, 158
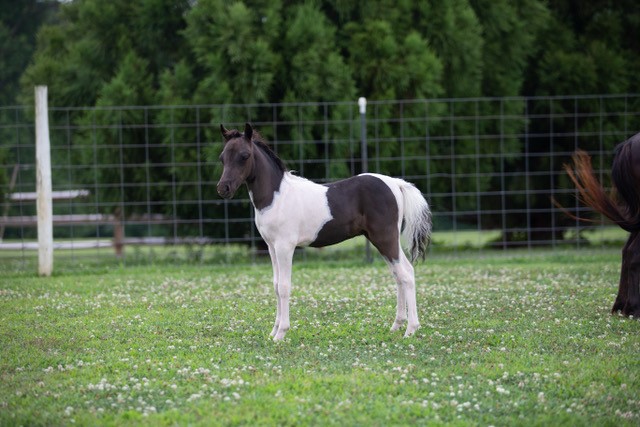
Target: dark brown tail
625, 213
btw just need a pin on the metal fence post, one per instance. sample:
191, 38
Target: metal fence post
362, 103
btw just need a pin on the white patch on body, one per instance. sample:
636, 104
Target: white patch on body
298, 212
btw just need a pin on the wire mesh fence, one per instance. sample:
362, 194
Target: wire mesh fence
145, 176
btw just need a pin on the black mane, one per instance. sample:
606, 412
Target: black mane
259, 141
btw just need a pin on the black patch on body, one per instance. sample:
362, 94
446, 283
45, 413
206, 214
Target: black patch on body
362, 205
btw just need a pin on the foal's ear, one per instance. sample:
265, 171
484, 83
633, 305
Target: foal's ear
224, 132
248, 131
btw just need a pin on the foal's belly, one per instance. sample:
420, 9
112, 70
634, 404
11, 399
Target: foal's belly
333, 232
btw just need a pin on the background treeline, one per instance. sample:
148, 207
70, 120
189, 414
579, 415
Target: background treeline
214, 51
94, 53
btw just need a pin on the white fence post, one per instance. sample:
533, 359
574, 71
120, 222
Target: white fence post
362, 104
43, 184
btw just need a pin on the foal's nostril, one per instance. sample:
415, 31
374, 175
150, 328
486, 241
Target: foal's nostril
224, 189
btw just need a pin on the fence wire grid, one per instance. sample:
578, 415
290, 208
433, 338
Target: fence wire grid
128, 176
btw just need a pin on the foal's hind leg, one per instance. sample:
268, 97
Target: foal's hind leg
401, 306
404, 275
387, 245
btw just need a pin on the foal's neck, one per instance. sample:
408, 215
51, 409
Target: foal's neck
264, 180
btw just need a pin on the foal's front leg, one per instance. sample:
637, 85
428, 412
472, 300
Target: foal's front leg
284, 258
274, 266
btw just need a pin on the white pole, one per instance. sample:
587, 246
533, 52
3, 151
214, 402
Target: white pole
362, 103
43, 184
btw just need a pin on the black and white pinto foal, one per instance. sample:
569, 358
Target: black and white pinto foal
291, 211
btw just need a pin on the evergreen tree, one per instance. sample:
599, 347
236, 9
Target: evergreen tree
19, 23
110, 54
314, 70
455, 34
583, 50
78, 55
118, 139
233, 46
510, 31
242, 54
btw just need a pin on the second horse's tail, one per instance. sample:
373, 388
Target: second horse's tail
625, 214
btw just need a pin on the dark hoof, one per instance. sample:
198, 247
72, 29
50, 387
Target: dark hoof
627, 310
618, 306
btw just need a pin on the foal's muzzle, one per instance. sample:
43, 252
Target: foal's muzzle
225, 189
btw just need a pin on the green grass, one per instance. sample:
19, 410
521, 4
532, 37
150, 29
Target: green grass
103, 259
509, 338
474, 239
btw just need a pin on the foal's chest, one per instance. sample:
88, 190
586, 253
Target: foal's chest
298, 212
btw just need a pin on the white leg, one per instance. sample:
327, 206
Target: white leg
410, 289
284, 256
404, 274
274, 265
401, 307
409, 278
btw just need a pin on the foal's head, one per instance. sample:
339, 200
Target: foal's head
237, 160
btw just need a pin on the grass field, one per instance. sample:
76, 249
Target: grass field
469, 242
515, 338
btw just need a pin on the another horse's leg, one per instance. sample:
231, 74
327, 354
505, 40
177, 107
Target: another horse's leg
632, 305
621, 298
284, 257
274, 265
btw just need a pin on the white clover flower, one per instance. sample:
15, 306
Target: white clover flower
502, 390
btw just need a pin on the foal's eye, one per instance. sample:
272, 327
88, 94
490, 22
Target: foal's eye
221, 159
244, 156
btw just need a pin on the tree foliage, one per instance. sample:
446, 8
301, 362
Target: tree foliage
19, 23
215, 52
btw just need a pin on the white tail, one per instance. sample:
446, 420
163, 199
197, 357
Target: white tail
417, 221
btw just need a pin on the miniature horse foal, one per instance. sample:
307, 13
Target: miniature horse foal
291, 211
